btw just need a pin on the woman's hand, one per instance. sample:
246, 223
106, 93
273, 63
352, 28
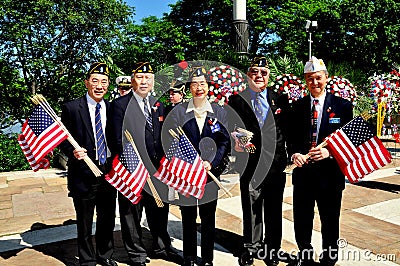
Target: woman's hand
207, 165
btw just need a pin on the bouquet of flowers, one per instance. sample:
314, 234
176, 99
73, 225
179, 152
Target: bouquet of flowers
342, 87
224, 82
381, 91
290, 85
244, 137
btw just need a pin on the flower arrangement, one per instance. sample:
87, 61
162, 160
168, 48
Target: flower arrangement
382, 91
343, 88
224, 82
290, 85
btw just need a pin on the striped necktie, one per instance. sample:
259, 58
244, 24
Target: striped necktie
147, 113
314, 124
101, 143
261, 107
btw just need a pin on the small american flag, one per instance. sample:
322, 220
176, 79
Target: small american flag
187, 164
180, 185
40, 135
128, 174
357, 150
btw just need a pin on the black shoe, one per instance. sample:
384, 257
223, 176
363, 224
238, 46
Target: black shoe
170, 254
188, 262
246, 259
271, 262
106, 262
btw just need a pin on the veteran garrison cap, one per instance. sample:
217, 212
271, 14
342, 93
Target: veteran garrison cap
98, 68
142, 67
197, 71
259, 61
314, 65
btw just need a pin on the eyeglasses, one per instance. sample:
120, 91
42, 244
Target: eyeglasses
96, 82
254, 71
196, 85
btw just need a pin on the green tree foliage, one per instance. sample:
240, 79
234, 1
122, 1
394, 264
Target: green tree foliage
49, 44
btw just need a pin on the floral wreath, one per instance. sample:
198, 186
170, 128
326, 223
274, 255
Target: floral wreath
382, 90
224, 82
342, 87
290, 85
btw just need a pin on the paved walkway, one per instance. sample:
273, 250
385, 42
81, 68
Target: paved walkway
37, 222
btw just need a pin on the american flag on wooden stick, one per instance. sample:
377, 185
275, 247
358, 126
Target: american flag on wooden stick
179, 184
187, 164
357, 150
40, 135
128, 174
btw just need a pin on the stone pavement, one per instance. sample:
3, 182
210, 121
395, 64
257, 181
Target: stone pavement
37, 225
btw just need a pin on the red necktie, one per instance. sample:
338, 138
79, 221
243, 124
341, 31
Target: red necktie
314, 122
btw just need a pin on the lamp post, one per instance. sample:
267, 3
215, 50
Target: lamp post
240, 25
311, 26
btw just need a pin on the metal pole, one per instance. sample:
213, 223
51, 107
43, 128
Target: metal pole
309, 46
240, 25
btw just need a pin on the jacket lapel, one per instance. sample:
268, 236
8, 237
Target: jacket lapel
85, 117
324, 118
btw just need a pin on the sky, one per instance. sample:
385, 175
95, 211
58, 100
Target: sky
145, 8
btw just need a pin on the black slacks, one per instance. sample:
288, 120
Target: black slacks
103, 199
207, 216
328, 201
157, 219
263, 206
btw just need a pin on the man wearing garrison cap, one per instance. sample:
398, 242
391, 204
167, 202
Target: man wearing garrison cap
262, 180
142, 115
317, 178
85, 118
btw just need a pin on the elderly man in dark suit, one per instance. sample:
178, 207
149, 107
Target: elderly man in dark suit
85, 118
317, 178
262, 179
142, 116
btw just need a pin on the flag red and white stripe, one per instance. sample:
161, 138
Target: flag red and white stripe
179, 184
356, 149
128, 174
187, 164
40, 135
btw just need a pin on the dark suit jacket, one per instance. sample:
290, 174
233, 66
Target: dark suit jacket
269, 140
125, 113
212, 146
76, 118
325, 172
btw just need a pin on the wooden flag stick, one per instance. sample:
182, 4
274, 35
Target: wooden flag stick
148, 179
364, 115
180, 130
40, 100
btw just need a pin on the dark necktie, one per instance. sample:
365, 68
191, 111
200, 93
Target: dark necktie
147, 113
314, 124
101, 143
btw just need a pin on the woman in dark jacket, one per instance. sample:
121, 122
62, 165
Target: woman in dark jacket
205, 127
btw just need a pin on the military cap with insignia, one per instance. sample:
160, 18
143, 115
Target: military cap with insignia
178, 87
197, 71
98, 68
123, 82
142, 67
259, 61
